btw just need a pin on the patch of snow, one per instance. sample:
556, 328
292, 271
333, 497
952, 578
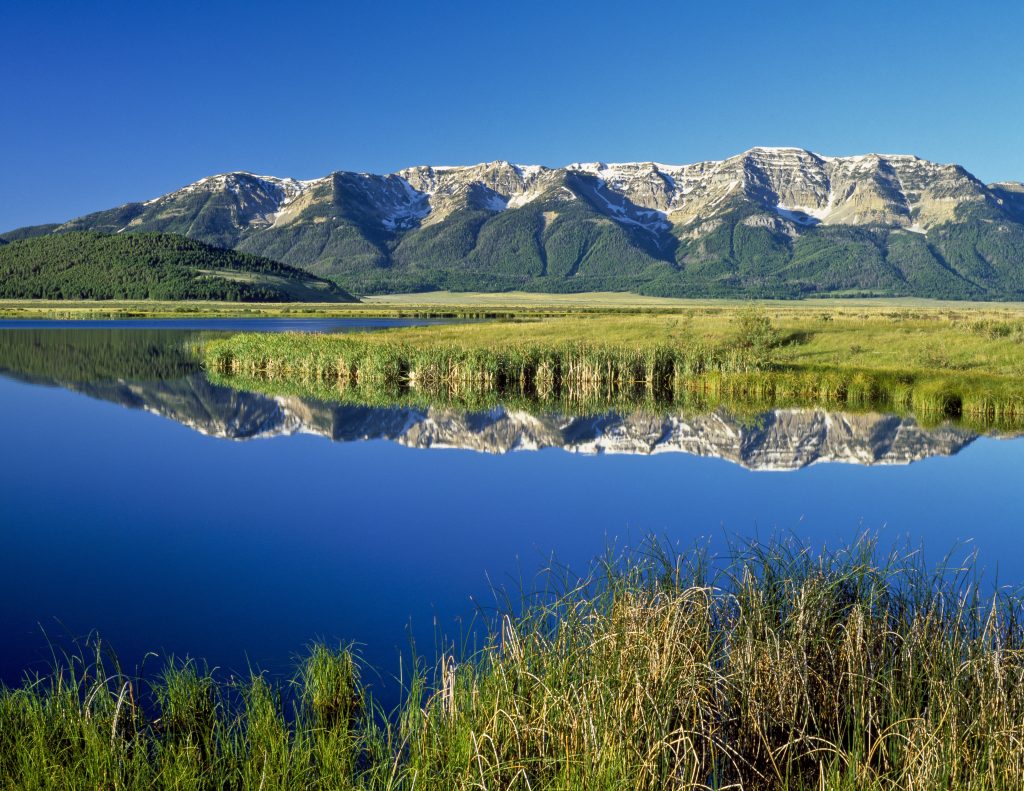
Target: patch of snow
779, 149
803, 215
495, 202
728, 190
676, 169
528, 172
406, 208
658, 221
657, 188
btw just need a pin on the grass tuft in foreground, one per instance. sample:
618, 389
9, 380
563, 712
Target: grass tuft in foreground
781, 669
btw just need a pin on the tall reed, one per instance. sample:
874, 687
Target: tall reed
775, 668
578, 376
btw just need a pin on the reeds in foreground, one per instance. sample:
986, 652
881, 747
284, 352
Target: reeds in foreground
777, 669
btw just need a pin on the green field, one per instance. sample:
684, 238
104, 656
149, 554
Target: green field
450, 303
625, 300
933, 359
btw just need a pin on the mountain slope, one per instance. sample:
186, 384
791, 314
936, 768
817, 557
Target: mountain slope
28, 232
768, 222
90, 265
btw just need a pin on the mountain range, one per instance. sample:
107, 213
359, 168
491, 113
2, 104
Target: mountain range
772, 222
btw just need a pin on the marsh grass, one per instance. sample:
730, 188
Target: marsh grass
579, 377
87, 725
773, 668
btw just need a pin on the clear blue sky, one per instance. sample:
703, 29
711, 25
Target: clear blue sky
102, 103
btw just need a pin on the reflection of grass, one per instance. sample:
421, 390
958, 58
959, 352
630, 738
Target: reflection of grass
777, 669
91, 355
936, 365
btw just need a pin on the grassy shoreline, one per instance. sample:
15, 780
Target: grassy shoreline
501, 304
936, 364
113, 309
776, 669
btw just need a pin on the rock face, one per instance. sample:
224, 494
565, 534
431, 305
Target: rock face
770, 221
800, 186
784, 439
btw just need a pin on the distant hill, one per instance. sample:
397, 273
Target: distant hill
770, 222
28, 232
91, 265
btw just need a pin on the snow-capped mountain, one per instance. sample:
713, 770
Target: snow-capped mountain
797, 185
778, 221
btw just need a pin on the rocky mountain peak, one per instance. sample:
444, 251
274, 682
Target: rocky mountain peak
715, 227
796, 185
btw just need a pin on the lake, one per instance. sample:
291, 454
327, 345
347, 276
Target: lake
142, 503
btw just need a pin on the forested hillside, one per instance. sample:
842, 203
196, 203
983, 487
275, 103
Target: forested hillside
90, 265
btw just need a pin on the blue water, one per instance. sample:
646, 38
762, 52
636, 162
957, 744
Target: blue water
160, 538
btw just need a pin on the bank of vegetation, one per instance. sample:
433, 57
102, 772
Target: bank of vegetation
936, 365
776, 669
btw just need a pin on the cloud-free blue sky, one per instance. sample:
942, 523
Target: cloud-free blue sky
106, 102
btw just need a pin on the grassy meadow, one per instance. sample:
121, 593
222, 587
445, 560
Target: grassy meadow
430, 304
471, 304
936, 362
777, 668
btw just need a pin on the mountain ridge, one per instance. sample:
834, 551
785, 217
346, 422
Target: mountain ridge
766, 222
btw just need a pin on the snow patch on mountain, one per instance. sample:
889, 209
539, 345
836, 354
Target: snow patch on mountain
802, 215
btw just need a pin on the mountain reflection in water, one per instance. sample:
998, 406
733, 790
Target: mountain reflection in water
155, 371
141, 529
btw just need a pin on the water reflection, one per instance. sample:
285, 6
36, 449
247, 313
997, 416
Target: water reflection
168, 539
158, 372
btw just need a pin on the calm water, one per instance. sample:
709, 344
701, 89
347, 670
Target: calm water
169, 515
